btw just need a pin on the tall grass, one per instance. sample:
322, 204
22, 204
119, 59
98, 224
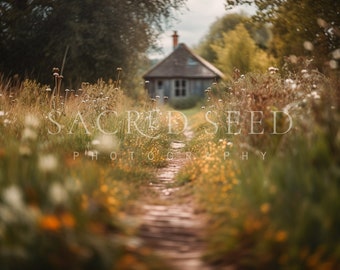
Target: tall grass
278, 210
67, 179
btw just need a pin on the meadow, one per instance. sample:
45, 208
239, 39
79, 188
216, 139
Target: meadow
69, 177
264, 166
272, 199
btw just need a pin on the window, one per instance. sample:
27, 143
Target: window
160, 85
180, 88
191, 62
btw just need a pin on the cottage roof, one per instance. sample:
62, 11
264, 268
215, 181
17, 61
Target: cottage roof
183, 63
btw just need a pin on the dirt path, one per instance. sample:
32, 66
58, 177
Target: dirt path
170, 225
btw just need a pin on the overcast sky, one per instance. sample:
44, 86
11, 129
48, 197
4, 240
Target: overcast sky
193, 23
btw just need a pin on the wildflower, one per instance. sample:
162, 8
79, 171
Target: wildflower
273, 70
12, 196
333, 64
314, 95
95, 142
281, 236
265, 207
31, 121
29, 134
7, 122
57, 194
2, 113
47, 163
106, 143
308, 45
49, 223
336, 54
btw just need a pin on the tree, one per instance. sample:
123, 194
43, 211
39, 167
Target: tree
98, 36
228, 22
240, 51
296, 23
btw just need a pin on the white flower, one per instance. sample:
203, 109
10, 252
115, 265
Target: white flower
107, 143
336, 54
12, 196
333, 64
95, 142
31, 121
273, 70
7, 122
308, 45
2, 113
29, 134
57, 193
47, 163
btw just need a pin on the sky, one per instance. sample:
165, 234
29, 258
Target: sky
192, 23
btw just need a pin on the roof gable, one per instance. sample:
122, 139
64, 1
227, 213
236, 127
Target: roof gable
184, 63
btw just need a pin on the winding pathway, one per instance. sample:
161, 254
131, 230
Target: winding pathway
171, 225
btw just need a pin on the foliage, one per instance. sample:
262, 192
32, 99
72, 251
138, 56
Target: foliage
68, 180
297, 22
238, 50
96, 37
272, 200
261, 35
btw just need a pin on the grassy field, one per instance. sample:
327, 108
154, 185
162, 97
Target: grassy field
70, 169
265, 168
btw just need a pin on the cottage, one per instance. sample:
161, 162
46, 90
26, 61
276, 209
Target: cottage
182, 74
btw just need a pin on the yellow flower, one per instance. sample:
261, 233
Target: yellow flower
104, 188
265, 208
281, 236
